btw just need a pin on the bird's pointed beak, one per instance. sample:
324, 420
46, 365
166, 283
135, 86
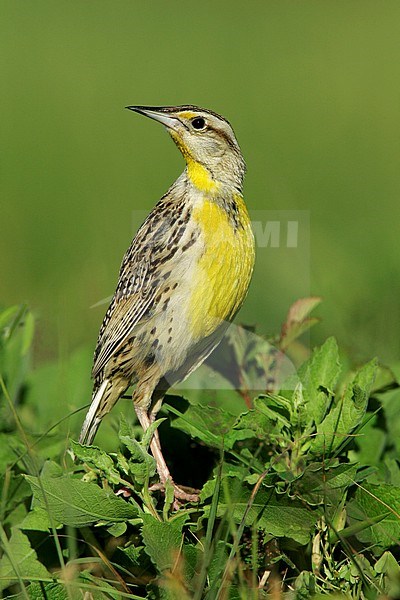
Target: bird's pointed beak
161, 117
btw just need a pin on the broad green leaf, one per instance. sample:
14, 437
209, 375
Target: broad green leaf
20, 557
73, 502
16, 516
351, 571
264, 422
50, 591
325, 485
217, 563
305, 585
206, 423
38, 520
251, 424
387, 564
274, 408
142, 465
346, 414
97, 458
319, 376
117, 529
133, 554
242, 472
191, 564
51, 469
276, 515
163, 540
374, 501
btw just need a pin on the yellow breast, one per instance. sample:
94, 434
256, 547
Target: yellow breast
224, 270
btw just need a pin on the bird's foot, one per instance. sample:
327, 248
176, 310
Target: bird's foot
181, 492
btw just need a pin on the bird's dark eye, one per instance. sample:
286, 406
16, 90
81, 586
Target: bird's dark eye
198, 123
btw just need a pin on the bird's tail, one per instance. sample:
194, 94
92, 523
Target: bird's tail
94, 415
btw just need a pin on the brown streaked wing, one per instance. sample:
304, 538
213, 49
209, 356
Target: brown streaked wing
139, 281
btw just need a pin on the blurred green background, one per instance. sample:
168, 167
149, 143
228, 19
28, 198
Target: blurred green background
312, 90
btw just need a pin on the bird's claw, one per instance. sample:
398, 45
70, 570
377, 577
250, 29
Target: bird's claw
181, 492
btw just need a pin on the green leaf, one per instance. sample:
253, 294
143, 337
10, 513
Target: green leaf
133, 554
15, 516
19, 561
77, 503
49, 591
319, 376
38, 520
251, 424
373, 502
387, 564
148, 434
347, 413
322, 485
117, 529
275, 408
206, 423
142, 466
218, 562
98, 459
240, 471
276, 515
163, 540
305, 585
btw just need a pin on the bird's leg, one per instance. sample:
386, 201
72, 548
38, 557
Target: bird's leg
156, 451
145, 422
153, 415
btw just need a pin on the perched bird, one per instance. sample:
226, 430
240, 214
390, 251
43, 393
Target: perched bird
183, 278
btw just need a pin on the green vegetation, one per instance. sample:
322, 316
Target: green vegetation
300, 494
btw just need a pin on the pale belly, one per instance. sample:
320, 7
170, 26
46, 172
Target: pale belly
212, 286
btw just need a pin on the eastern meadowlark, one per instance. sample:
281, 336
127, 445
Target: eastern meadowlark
183, 278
